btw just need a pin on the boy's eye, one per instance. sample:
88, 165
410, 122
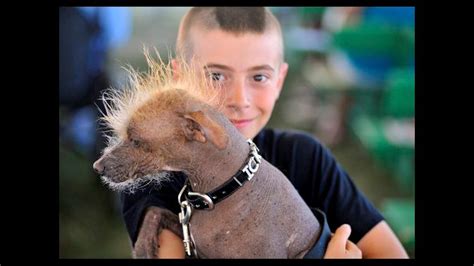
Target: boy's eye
216, 76
260, 78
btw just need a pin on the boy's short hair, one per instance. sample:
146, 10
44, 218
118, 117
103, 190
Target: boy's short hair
237, 20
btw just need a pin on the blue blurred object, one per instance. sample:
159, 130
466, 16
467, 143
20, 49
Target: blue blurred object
114, 23
372, 69
86, 35
82, 129
396, 16
381, 41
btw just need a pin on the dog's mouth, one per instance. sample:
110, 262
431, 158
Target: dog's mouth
118, 186
136, 182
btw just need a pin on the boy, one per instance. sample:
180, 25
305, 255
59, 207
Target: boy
242, 50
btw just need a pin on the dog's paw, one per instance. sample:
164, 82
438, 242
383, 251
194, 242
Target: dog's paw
146, 245
156, 219
146, 248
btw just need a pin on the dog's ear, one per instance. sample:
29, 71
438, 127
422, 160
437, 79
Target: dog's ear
200, 127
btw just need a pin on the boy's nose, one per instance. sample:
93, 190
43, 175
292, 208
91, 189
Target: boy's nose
239, 97
98, 167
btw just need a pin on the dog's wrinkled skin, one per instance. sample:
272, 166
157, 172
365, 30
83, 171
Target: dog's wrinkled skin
266, 218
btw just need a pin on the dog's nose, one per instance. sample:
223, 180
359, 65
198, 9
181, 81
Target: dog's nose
98, 167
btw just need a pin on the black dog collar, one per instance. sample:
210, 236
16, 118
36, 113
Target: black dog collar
245, 173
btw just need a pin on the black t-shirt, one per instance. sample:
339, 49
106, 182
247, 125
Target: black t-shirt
309, 166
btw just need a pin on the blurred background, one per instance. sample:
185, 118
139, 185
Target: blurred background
351, 83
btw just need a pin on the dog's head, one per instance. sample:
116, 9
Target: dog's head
154, 134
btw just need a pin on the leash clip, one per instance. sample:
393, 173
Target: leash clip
184, 218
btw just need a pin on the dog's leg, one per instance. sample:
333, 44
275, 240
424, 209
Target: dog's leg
155, 220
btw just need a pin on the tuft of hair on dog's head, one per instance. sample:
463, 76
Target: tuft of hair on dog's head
121, 103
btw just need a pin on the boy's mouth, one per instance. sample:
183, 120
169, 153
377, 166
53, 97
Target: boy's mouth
241, 123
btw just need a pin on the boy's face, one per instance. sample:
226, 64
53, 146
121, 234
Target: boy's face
249, 69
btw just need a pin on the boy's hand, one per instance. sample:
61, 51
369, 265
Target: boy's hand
340, 247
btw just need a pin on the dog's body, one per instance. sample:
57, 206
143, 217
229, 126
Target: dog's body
173, 130
266, 218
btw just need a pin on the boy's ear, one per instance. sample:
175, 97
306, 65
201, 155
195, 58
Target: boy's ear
281, 77
198, 126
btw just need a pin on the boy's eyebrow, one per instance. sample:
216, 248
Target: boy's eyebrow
212, 65
224, 67
262, 67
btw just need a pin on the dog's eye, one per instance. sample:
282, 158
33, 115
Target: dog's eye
135, 143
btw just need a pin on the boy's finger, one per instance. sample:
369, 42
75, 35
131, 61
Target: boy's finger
341, 236
351, 246
353, 249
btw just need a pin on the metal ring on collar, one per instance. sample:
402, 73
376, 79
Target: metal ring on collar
205, 197
180, 195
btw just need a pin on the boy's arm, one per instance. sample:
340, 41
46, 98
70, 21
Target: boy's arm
381, 242
171, 245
